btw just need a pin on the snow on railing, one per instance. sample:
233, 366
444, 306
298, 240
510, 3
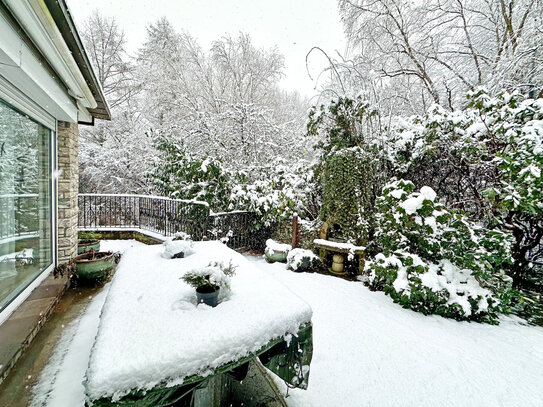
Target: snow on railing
191, 201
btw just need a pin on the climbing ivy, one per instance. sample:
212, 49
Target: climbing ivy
349, 169
347, 193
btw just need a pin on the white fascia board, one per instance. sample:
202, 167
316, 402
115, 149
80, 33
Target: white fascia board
35, 18
83, 114
13, 96
21, 67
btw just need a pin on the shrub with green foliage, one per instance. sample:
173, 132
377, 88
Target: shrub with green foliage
215, 275
286, 191
276, 195
303, 260
436, 261
347, 193
181, 175
486, 160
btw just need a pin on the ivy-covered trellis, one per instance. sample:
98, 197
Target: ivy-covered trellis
347, 194
350, 167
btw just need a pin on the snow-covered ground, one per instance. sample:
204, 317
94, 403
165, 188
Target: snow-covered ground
369, 351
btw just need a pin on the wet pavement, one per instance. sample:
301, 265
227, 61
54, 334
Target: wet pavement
15, 391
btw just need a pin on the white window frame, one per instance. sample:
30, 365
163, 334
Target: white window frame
14, 97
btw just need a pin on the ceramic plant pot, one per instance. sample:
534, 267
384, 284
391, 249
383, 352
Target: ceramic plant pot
94, 265
85, 245
274, 255
207, 296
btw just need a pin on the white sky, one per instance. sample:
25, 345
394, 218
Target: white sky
294, 26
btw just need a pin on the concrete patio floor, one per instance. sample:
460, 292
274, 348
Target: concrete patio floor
15, 391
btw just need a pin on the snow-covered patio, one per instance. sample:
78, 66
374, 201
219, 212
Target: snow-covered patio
367, 351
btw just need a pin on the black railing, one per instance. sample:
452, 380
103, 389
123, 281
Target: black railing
239, 229
166, 217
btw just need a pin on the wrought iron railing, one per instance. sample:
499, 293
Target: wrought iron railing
238, 229
167, 216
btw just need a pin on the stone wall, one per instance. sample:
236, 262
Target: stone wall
68, 185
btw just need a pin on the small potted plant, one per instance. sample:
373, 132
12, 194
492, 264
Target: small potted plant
209, 280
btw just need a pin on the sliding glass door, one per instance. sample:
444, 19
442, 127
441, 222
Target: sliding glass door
26, 246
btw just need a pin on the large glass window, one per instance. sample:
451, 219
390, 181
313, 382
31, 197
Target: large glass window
25, 202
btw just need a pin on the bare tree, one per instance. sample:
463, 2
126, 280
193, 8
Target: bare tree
434, 51
105, 45
110, 152
225, 102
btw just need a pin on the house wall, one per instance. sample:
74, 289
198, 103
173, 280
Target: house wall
68, 186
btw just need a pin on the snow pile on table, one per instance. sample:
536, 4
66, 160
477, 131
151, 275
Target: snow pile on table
61, 383
152, 331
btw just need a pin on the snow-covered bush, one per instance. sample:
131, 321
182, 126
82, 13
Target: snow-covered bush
435, 260
278, 194
178, 247
274, 193
303, 260
182, 175
215, 275
486, 160
432, 288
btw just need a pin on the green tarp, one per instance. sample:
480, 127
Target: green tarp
289, 359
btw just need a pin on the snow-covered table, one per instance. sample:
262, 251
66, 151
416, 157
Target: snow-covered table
153, 338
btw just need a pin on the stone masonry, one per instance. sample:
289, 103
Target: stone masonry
68, 185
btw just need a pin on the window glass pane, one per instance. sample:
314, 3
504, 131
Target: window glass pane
25, 202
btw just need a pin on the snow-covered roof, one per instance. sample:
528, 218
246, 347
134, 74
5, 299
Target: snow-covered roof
152, 332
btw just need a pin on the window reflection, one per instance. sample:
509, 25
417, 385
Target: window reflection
25, 202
